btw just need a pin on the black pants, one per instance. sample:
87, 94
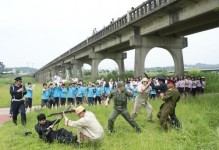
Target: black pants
56, 101
16, 107
97, 98
64, 136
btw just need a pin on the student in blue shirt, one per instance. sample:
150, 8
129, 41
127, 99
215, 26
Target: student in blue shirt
70, 95
134, 91
79, 94
29, 96
106, 90
90, 94
56, 95
84, 97
98, 94
44, 96
63, 94
50, 96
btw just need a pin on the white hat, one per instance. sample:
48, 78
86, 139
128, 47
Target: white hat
144, 79
79, 109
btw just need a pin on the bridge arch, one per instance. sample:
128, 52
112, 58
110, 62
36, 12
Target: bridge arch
108, 64
158, 57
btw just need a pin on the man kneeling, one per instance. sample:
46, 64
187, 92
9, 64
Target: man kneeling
45, 131
88, 126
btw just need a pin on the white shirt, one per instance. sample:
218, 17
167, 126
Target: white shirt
90, 124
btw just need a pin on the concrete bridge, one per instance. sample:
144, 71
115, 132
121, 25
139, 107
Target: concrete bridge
154, 23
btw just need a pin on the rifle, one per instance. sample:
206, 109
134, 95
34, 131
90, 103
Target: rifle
60, 113
146, 75
50, 128
57, 120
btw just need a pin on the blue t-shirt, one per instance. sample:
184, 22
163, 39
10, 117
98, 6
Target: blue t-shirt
63, 92
71, 92
44, 94
98, 91
79, 91
56, 92
91, 91
135, 91
49, 94
107, 91
29, 93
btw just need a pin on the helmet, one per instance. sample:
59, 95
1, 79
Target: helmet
120, 84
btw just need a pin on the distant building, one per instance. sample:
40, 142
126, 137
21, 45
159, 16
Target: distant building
2, 66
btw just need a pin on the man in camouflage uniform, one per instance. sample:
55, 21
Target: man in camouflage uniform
142, 99
120, 107
167, 109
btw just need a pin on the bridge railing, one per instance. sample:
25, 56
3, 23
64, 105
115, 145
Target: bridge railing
133, 15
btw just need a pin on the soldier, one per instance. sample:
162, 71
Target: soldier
120, 107
170, 98
142, 99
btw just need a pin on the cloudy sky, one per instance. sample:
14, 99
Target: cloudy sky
34, 32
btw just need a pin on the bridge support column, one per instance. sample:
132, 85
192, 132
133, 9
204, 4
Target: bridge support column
178, 61
63, 72
140, 54
94, 70
76, 68
173, 45
119, 58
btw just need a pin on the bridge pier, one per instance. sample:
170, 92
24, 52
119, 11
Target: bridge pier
143, 45
76, 68
96, 58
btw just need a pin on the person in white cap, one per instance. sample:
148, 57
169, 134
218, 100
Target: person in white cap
88, 126
142, 99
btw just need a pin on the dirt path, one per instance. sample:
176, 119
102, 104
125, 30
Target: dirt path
4, 114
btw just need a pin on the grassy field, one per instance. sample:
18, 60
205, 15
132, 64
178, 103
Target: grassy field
199, 117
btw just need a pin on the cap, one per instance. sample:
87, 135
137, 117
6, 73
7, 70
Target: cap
18, 79
170, 81
120, 84
144, 79
161, 79
79, 109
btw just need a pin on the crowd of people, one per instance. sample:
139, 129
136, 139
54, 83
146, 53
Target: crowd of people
140, 90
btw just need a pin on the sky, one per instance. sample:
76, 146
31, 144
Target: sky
34, 32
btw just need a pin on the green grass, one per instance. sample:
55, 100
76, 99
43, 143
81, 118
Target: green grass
199, 117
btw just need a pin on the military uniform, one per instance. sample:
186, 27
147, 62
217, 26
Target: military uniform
171, 97
120, 107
